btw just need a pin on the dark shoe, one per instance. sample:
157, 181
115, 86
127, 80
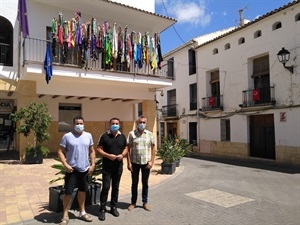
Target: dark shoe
101, 215
146, 207
114, 211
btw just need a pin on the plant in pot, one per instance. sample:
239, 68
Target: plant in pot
168, 154
56, 192
34, 119
183, 147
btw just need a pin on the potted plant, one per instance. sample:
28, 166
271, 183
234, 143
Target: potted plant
183, 147
34, 119
56, 192
168, 154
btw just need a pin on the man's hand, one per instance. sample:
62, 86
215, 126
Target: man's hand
112, 157
91, 169
150, 165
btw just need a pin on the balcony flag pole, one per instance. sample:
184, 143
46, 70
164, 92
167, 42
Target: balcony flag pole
23, 27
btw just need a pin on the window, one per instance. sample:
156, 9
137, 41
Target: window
276, 26
6, 42
257, 34
215, 51
170, 72
227, 46
261, 80
67, 112
297, 17
192, 62
214, 100
225, 130
140, 109
193, 96
172, 107
241, 40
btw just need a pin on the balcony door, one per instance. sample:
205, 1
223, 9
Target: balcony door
171, 95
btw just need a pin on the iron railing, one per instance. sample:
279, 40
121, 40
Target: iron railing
212, 103
169, 111
258, 97
35, 49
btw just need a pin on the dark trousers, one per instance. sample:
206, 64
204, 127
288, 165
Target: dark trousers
111, 176
135, 181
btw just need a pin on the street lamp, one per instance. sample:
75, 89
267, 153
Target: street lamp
283, 57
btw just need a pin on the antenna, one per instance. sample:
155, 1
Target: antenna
241, 16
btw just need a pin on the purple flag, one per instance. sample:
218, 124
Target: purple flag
22, 17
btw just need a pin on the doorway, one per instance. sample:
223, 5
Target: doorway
262, 136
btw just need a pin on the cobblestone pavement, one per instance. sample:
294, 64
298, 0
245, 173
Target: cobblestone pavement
206, 191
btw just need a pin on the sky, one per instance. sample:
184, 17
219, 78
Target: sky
199, 17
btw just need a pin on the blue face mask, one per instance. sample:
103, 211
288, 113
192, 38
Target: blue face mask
79, 128
142, 126
114, 127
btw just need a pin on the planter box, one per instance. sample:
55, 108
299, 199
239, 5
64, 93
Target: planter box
168, 168
92, 196
56, 197
30, 158
178, 162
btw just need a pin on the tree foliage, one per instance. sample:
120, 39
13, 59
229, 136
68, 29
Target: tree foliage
34, 119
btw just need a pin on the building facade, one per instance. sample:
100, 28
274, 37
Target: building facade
234, 94
95, 72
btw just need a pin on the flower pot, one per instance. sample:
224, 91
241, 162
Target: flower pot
92, 196
177, 162
168, 168
56, 195
32, 158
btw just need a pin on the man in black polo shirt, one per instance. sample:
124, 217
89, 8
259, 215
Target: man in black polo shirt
112, 146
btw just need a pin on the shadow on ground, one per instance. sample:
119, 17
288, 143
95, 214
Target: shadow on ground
251, 163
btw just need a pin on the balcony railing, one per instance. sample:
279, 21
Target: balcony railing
35, 49
258, 97
6, 52
169, 111
212, 103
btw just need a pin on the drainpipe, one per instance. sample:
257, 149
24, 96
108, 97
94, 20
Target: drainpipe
198, 104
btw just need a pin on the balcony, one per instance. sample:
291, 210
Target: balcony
258, 97
170, 111
212, 103
34, 51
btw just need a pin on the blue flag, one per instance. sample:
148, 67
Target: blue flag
48, 63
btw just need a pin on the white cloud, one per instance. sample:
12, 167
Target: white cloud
188, 11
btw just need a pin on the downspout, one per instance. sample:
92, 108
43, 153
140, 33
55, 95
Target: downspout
198, 104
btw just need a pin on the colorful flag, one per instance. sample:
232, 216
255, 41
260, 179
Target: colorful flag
48, 63
23, 18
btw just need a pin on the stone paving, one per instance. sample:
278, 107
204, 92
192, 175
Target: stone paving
201, 192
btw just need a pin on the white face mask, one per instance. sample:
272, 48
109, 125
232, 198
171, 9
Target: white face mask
79, 127
142, 126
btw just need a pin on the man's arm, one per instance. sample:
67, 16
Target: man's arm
92, 159
61, 155
105, 154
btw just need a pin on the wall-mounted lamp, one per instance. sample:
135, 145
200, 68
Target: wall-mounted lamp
283, 57
161, 93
